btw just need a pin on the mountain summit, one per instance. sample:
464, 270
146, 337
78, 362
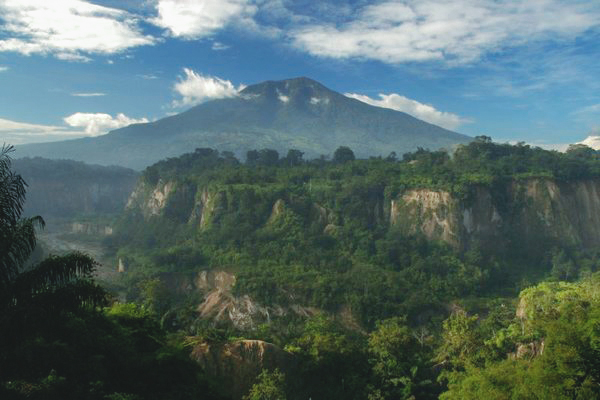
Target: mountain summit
297, 113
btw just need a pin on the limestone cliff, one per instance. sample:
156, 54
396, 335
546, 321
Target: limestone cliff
67, 189
522, 208
221, 306
151, 200
563, 211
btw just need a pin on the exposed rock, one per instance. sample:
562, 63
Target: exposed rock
331, 229
158, 197
216, 279
278, 209
243, 312
205, 207
430, 212
528, 350
235, 365
121, 266
531, 207
91, 228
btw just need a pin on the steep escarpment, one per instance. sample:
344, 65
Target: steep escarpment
375, 237
569, 211
66, 189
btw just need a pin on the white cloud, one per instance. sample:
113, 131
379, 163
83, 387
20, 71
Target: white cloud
97, 94
218, 46
96, 124
425, 112
148, 77
451, 31
3, 68
14, 126
195, 19
14, 132
68, 29
592, 141
196, 88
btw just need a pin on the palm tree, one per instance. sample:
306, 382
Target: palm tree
55, 283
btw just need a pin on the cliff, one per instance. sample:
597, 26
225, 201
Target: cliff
530, 210
67, 189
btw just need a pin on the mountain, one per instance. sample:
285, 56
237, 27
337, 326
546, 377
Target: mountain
296, 113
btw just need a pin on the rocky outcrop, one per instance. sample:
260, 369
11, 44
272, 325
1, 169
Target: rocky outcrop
221, 306
526, 209
429, 212
235, 365
158, 198
88, 228
569, 211
59, 189
206, 206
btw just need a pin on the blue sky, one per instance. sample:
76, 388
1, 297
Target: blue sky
520, 70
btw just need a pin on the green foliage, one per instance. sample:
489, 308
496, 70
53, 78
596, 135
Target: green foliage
55, 342
400, 364
269, 386
343, 154
554, 338
317, 233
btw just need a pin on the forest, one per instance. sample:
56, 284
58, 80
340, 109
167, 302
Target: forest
513, 314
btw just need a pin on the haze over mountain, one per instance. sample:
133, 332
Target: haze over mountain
296, 113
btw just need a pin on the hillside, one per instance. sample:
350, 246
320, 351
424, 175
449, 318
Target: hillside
509, 205
464, 277
296, 113
67, 189
335, 261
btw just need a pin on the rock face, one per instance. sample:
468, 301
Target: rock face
527, 209
67, 189
88, 228
221, 306
235, 365
432, 213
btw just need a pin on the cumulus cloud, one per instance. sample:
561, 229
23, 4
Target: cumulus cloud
195, 19
454, 32
96, 124
593, 139
68, 29
425, 112
196, 88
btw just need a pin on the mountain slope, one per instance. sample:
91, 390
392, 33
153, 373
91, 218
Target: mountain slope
296, 113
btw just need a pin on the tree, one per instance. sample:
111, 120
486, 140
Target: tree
343, 154
55, 283
17, 235
397, 362
293, 158
269, 386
